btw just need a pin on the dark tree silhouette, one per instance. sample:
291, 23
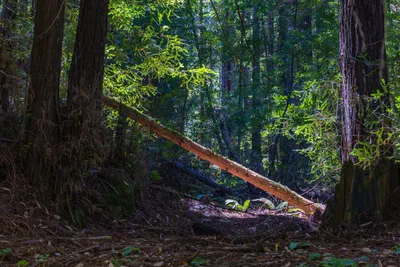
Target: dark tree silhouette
87, 70
42, 125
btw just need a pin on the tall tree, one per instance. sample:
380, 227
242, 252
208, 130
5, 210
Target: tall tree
368, 191
87, 70
42, 124
8, 79
256, 100
269, 51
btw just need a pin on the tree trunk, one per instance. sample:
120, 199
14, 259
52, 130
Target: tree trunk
362, 192
230, 166
201, 177
286, 81
228, 63
42, 125
228, 143
242, 98
202, 61
87, 71
8, 79
270, 50
213, 115
257, 118
183, 111
120, 139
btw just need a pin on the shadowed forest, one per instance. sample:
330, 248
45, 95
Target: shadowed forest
200, 133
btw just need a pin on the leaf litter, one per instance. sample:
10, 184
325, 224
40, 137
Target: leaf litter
191, 233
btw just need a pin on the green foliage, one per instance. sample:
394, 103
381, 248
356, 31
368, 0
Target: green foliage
282, 206
198, 262
265, 202
163, 58
297, 245
314, 256
71, 25
5, 253
115, 262
129, 250
396, 249
142, 52
234, 204
381, 126
42, 257
23, 263
317, 122
155, 176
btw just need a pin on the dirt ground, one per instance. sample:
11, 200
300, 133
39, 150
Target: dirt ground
197, 234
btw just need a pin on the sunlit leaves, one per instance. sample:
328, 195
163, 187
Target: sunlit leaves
142, 51
317, 122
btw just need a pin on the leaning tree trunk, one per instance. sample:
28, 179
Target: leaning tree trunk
362, 192
230, 166
201, 177
42, 125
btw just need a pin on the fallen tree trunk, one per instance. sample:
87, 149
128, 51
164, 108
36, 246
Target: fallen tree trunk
226, 164
202, 178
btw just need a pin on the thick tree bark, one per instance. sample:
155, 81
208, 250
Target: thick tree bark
87, 70
230, 166
362, 64
362, 192
42, 125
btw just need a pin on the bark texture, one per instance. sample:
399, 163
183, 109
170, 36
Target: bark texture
87, 69
362, 64
230, 166
42, 125
362, 194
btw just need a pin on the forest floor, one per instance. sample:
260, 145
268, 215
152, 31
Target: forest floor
195, 234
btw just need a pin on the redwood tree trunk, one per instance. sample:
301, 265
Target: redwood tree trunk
87, 70
362, 64
362, 192
42, 126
